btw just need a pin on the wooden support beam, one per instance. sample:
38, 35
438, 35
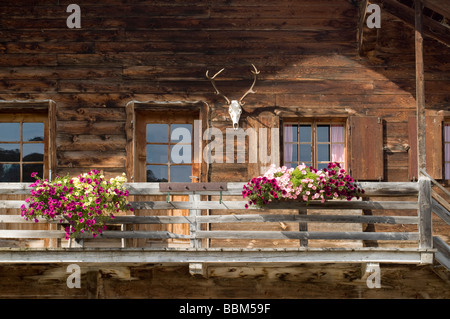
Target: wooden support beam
425, 208
420, 87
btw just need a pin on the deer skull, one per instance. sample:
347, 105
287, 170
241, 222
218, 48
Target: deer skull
234, 106
235, 111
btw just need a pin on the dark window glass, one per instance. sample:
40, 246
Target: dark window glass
9, 173
9, 132
33, 152
22, 151
323, 133
157, 154
157, 173
157, 133
33, 132
28, 169
181, 173
305, 133
9, 152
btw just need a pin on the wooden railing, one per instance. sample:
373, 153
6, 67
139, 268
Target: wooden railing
397, 204
441, 207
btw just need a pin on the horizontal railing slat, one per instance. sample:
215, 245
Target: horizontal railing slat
371, 189
13, 234
335, 204
308, 235
235, 218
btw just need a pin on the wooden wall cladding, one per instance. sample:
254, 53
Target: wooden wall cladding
160, 50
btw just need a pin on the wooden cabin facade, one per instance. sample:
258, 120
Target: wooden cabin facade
108, 94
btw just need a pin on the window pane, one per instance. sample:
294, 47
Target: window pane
305, 133
447, 152
181, 133
337, 153
181, 154
9, 132
30, 168
157, 173
323, 133
9, 152
290, 133
9, 173
33, 132
305, 153
157, 133
181, 173
447, 171
447, 133
322, 166
33, 152
337, 134
157, 154
323, 152
290, 152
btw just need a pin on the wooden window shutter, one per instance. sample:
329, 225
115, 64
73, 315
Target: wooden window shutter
434, 145
366, 148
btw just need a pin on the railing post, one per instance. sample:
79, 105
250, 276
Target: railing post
425, 209
194, 226
303, 227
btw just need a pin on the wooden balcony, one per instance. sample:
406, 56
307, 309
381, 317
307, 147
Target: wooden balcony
218, 229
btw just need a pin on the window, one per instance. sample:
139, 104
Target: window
169, 152
23, 145
314, 143
447, 150
164, 147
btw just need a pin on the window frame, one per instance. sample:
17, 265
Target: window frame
29, 117
315, 122
169, 144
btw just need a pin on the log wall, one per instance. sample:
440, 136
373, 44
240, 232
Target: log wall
159, 50
316, 281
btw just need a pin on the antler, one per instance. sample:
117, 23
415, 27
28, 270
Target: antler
214, 84
255, 73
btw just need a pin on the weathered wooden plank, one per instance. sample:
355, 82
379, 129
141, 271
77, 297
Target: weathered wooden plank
141, 234
234, 218
388, 189
425, 210
106, 234
307, 218
439, 210
371, 189
403, 205
300, 255
308, 235
14, 188
31, 234
443, 251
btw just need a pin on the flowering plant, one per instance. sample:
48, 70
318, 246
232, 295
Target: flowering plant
84, 202
304, 183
